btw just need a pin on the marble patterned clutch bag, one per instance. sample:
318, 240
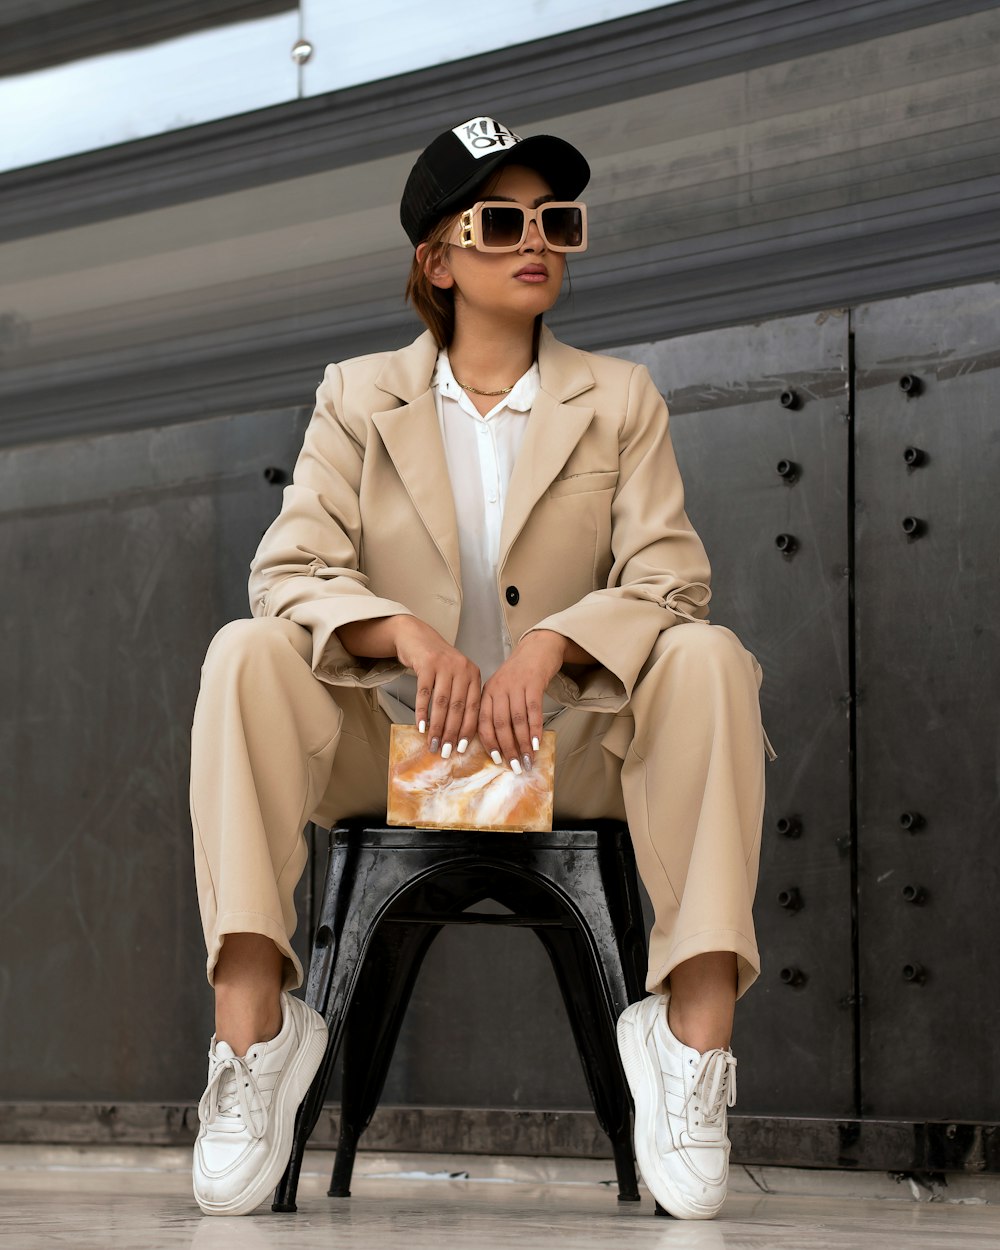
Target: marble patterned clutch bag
466, 791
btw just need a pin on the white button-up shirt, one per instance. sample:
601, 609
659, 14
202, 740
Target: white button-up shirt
480, 451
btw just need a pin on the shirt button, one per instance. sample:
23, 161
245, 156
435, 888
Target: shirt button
513, 596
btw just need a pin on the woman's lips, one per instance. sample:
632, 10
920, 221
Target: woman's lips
532, 275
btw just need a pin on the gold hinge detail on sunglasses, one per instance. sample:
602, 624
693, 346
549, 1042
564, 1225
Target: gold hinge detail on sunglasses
467, 237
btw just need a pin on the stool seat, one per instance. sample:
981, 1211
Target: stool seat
389, 892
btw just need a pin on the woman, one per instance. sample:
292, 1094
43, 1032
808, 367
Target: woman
485, 534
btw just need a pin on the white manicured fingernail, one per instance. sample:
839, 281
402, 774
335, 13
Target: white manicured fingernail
497, 758
534, 744
446, 750
422, 726
516, 766
463, 746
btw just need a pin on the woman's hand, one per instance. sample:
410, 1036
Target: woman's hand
448, 685
510, 719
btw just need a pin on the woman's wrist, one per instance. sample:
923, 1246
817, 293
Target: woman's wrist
374, 639
546, 640
567, 651
405, 630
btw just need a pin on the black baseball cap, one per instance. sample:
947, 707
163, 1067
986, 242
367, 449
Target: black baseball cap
458, 160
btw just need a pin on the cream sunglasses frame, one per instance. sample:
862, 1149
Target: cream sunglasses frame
468, 228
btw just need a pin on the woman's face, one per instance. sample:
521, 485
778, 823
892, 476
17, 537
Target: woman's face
496, 283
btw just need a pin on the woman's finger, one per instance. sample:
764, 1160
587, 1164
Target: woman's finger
536, 723
455, 718
520, 728
485, 727
437, 712
470, 722
425, 688
504, 732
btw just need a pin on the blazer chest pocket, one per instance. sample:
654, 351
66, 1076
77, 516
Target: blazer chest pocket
583, 483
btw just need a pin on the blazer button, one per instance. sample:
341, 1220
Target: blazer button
513, 595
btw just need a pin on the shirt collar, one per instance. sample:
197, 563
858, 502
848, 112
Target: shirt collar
520, 399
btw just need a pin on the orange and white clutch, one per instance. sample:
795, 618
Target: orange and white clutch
467, 791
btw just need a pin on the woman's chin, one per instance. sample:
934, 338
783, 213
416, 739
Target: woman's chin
527, 303
535, 298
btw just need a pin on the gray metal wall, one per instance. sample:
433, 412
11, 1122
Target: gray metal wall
927, 557
880, 643
127, 551
724, 389
122, 554
165, 314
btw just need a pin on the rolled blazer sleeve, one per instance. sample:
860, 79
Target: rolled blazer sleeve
307, 567
660, 575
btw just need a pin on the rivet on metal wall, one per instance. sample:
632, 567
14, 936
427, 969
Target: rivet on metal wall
914, 457
302, 50
789, 399
911, 821
914, 527
914, 894
792, 976
788, 470
274, 475
786, 544
914, 973
790, 899
910, 385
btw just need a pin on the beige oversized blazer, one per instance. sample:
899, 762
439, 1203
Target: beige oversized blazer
595, 541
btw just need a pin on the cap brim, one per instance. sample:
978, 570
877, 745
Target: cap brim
563, 167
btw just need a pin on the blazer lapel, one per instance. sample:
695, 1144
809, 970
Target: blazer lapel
554, 429
412, 437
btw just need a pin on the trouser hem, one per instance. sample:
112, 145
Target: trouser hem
266, 926
703, 943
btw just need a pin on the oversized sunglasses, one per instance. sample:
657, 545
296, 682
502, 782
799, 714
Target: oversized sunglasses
500, 226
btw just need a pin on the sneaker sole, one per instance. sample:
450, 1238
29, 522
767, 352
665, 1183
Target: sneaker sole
641, 1078
296, 1085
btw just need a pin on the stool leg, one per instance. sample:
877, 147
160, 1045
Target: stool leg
347, 917
608, 968
355, 897
343, 1163
620, 879
580, 980
310, 1110
380, 1000
305, 1121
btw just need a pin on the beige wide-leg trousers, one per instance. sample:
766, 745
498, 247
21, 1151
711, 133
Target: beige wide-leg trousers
273, 747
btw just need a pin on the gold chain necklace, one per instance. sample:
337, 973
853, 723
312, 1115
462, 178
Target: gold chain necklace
505, 390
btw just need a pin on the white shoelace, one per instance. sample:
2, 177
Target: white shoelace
225, 1090
714, 1085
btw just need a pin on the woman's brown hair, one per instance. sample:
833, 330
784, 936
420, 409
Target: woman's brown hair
434, 306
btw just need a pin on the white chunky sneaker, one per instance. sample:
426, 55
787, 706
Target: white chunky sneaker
680, 1096
247, 1112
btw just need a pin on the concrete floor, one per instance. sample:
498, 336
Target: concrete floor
140, 1199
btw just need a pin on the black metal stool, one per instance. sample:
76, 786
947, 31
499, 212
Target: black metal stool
389, 891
